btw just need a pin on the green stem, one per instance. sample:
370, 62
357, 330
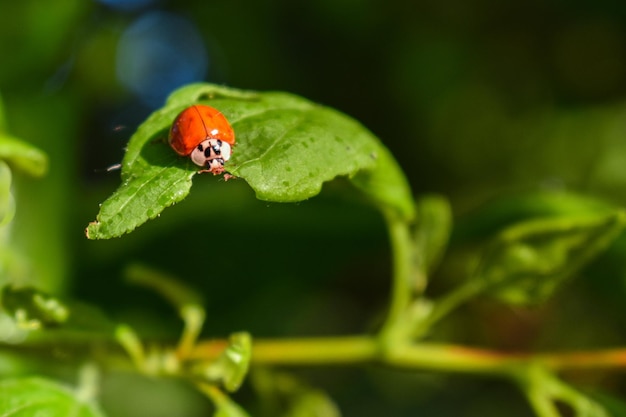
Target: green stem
132, 344
193, 317
306, 351
399, 326
542, 406
401, 289
223, 404
544, 389
88, 383
456, 359
352, 350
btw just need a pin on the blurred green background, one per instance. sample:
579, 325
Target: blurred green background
476, 98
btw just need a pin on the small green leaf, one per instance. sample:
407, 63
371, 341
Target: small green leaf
284, 395
528, 261
33, 309
287, 148
231, 368
27, 397
434, 222
23, 156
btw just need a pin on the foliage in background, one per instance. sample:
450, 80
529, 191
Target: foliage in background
524, 263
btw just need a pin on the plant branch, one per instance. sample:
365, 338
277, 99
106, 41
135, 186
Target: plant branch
419, 356
354, 350
305, 351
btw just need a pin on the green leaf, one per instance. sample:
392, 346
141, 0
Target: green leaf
27, 397
284, 395
23, 156
434, 223
287, 148
231, 367
528, 261
33, 309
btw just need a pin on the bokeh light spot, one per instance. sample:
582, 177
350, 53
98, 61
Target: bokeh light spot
158, 53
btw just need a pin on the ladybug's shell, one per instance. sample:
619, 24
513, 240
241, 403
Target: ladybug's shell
197, 123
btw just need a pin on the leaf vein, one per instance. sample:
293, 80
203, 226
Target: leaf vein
141, 186
297, 123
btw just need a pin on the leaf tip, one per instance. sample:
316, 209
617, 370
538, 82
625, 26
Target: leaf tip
90, 230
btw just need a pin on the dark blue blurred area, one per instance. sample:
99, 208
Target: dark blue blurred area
127, 5
159, 52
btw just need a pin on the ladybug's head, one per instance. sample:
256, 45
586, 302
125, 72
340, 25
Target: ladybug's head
211, 153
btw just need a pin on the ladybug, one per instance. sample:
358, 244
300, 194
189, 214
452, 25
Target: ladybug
203, 133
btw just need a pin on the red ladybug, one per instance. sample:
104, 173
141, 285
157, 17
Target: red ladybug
203, 133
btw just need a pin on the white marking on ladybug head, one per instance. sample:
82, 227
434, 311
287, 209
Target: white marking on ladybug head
197, 155
226, 151
211, 153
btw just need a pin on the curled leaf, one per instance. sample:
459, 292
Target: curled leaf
528, 261
33, 309
286, 149
231, 367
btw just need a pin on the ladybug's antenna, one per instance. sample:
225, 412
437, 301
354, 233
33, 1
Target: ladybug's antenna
113, 167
